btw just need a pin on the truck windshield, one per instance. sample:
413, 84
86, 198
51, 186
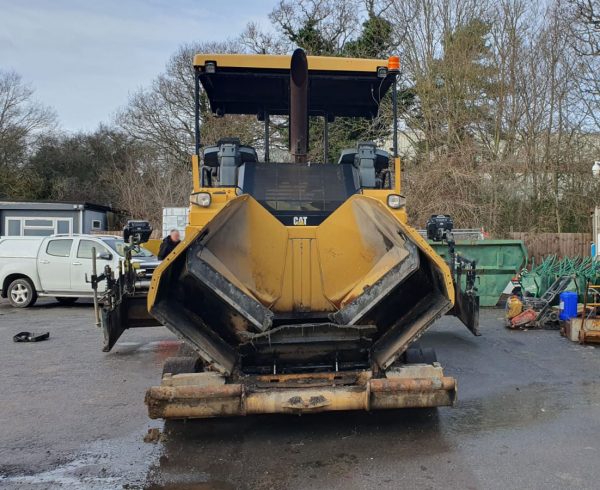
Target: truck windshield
119, 247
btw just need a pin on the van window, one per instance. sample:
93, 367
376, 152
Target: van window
59, 248
84, 251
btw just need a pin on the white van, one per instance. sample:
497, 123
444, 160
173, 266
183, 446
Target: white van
57, 265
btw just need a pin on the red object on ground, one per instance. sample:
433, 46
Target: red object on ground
523, 319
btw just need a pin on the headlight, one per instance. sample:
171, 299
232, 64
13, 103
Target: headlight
201, 199
396, 201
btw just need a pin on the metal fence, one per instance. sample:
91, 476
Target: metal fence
462, 233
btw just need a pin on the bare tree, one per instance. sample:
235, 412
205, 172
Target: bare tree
160, 119
259, 41
506, 133
144, 184
586, 25
21, 116
499, 103
22, 119
163, 114
319, 26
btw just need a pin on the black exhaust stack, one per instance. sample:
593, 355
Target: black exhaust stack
299, 106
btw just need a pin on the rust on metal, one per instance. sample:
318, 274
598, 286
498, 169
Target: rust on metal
589, 336
194, 392
386, 385
194, 402
247, 398
310, 379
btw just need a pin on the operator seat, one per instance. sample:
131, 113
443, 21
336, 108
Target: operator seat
369, 161
226, 157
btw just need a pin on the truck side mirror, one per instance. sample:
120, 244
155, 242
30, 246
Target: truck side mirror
104, 256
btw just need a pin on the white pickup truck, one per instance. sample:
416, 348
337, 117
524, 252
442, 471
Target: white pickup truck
57, 266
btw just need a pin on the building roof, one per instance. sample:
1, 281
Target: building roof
255, 84
54, 205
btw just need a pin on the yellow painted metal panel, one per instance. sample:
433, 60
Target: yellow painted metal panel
200, 216
282, 62
297, 275
196, 173
251, 244
302, 287
397, 171
286, 301
382, 195
438, 261
303, 268
357, 244
318, 301
301, 273
152, 245
302, 232
191, 233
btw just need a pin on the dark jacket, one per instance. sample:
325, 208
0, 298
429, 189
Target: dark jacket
166, 247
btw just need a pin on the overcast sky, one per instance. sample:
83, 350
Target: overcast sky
84, 57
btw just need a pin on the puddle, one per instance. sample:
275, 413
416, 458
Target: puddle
70, 475
282, 451
521, 407
111, 463
208, 485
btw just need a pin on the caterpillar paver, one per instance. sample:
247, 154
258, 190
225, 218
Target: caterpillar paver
299, 286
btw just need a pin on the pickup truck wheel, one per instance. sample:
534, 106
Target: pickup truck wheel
64, 300
21, 293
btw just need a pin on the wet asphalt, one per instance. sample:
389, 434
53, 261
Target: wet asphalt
71, 416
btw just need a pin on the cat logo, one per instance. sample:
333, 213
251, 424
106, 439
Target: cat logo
299, 220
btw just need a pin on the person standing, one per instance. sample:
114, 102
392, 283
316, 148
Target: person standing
168, 244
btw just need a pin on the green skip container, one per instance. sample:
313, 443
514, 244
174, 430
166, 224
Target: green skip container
498, 261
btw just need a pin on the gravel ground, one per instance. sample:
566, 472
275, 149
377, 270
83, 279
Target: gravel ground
71, 416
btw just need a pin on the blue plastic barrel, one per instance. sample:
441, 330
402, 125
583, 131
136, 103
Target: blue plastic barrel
568, 305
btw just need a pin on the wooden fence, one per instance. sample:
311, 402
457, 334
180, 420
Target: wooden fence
540, 245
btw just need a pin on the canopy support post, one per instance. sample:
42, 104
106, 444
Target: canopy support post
326, 139
395, 114
197, 110
267, 138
